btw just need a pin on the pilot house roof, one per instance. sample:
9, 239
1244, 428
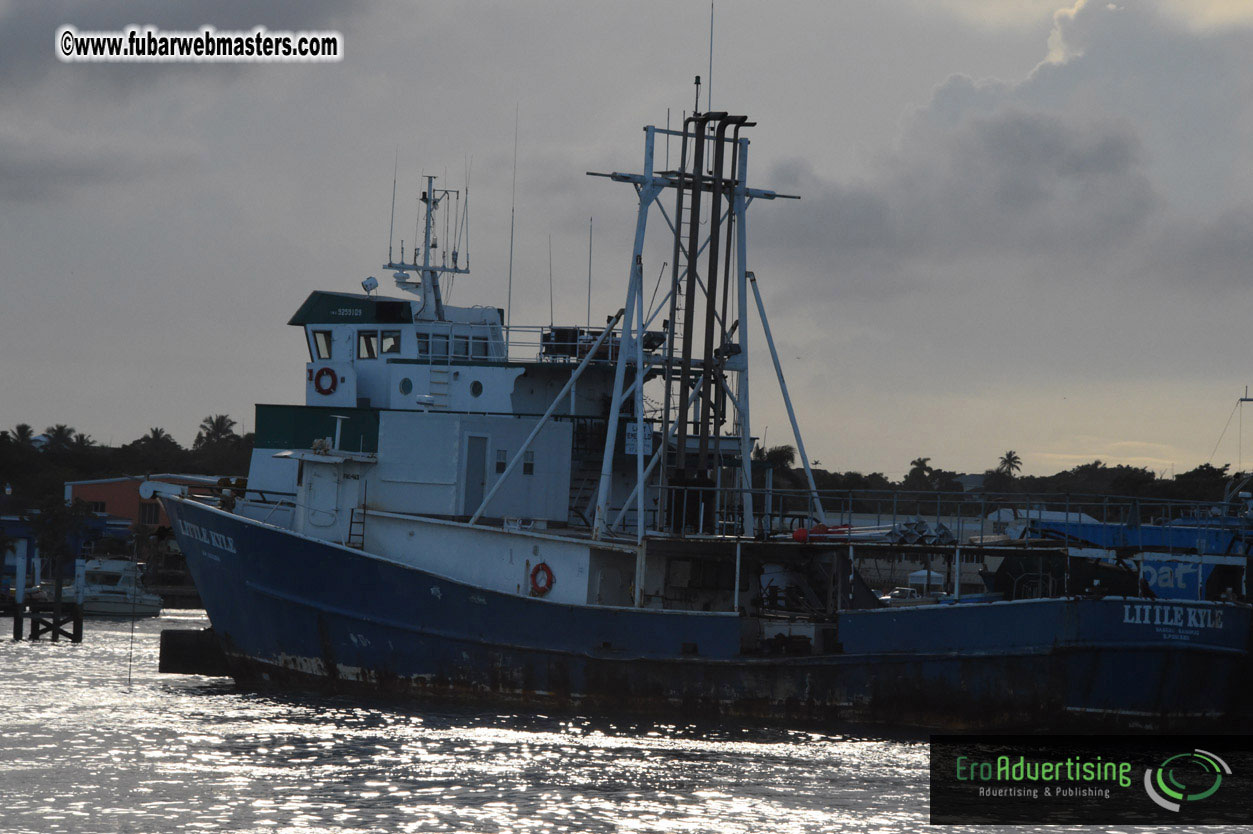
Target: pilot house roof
351, 308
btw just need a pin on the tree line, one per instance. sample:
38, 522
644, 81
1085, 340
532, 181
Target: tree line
34, 467
1203, 483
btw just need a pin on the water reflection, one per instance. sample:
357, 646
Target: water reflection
86, 750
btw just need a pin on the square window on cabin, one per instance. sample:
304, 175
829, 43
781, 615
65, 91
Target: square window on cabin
424, 344
461, 347
368, 344
322, 344
502, 460
439, 346
389, 341
478, 347
528, 463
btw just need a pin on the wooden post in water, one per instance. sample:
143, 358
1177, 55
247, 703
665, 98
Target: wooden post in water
957, 586
19, 595
56, 603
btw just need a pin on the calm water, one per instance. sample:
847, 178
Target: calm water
85, 749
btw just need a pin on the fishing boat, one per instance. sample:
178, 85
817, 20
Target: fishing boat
565, 516
112, 588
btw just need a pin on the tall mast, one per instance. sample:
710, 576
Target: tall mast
428, 272
700, 350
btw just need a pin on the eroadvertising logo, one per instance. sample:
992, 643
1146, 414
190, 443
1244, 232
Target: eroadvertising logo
1091, 779
1193, 776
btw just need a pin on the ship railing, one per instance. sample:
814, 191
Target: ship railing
276, 500
269, 496
1059, 541
972, 517
569, 344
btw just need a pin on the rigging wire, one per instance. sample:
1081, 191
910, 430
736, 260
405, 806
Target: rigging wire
130, 652
465, 213
652, 310
1224, 432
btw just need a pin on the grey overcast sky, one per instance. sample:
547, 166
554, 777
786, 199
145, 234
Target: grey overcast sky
1024, 225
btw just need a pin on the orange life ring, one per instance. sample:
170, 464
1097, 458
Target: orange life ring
540, 588
325, 381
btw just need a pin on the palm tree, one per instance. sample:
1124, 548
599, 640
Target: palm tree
780, 458
1010, 463
156, 436
59, 437
23, 435
919, 476
82, 441
157, 440
214, 429
58, 528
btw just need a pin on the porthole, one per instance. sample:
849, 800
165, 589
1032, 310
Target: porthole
406, 386
476, 388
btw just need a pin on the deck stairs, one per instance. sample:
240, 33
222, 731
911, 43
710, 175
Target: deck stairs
584, 483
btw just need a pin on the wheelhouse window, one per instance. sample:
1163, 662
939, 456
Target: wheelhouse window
502, 459
461, 347
424, 345
528, 463
368, 344
322, 344
439, 346
389, 341
478, 347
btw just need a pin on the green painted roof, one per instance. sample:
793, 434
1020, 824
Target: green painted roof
297, 426
351, 308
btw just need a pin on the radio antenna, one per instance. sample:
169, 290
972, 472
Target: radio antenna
513, 200
709, 87
392, 226
550, 280
589, 273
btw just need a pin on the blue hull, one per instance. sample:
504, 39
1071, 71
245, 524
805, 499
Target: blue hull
292, 611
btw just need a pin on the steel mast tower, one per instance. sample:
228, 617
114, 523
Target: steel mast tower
701, 353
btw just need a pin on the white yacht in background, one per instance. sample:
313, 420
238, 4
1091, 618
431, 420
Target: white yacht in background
112, 588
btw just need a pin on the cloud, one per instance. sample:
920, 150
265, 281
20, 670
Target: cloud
1069, 172
1211, 253
28, 31
1198, 15
985, 185
1019, 178
40, 162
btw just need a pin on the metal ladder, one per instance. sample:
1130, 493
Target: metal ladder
439, 387
356, 528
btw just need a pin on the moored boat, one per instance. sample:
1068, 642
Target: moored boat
112, 588
467, 509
